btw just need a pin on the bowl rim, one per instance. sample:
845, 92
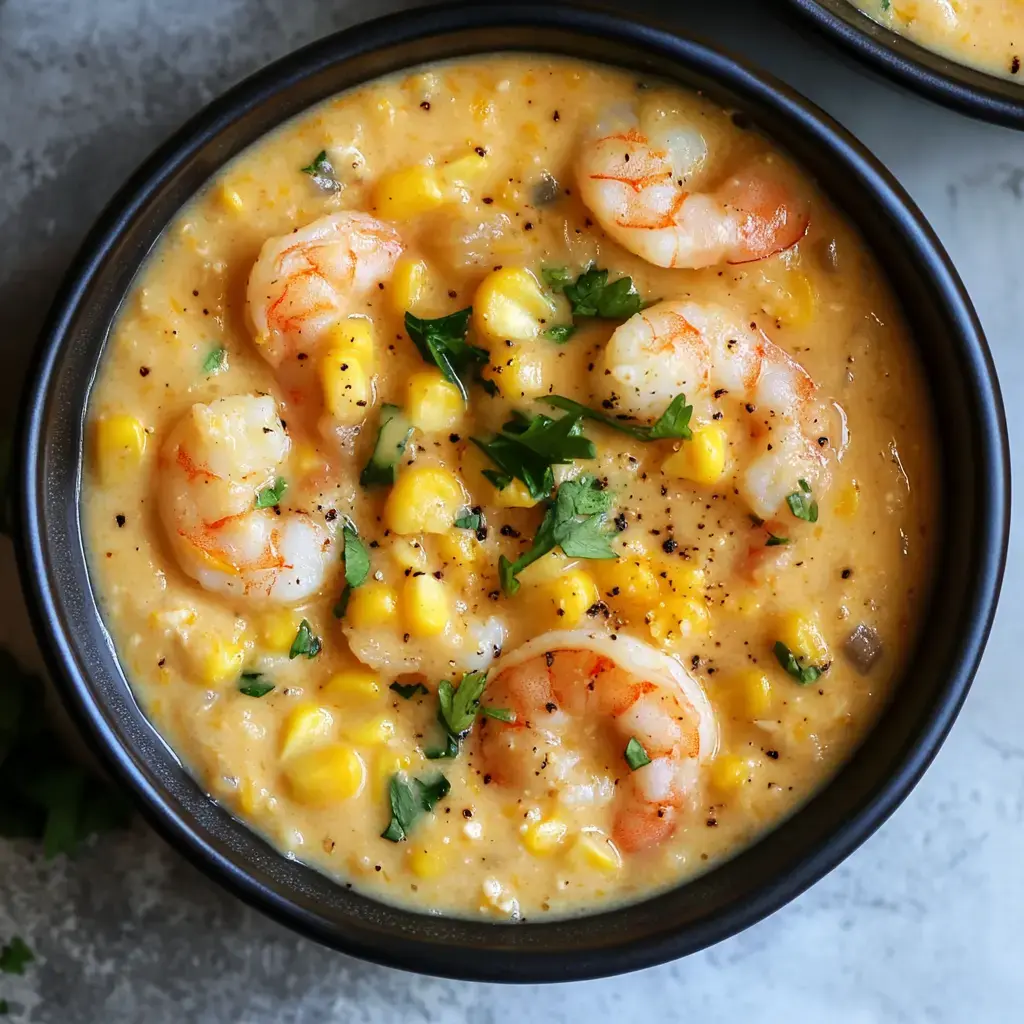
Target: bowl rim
959, 86
96, 720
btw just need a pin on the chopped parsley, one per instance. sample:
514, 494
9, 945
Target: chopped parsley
411, 798
774, 542
216, 361
574, 521
306, 643
271, 496
15, 956
442, 341
592, 296
408, 691
635, 755
801, 504
321, 170
356, 557
673, 423
803, 674
457, 709
560, 333
254, 685
470, 521
392, 437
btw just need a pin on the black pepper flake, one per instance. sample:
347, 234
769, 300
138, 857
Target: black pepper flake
161, 663
510, 531
1015, 65
669, 545
620, 522
748, 407
425, 105
466, 812
773, 754
120, 520
480, 151
556, 116
846, 573
549, 657
712, 822
455, 439
331, 514
143, 371
551, 707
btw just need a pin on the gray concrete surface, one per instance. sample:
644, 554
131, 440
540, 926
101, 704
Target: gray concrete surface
922, 924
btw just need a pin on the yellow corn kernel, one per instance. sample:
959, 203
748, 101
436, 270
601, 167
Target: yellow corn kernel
458, 548
372, 604
518, 372
427, 863
847, 501
353, 336
545, 836
432, 403
426, 606
120, 445
373, 733
515, 495
753, 691
407, 554
325, 775
386, 765
247, 796
172, 619
307, 460
800, 632
277, 629
458, 177
424, 499
510, 304
571, 594
793, 300
596, 850
702, 458
361, 684
630, 582
729, 773
307, 726
679, 617
548, 568
407, 193
348, 388
230, 199
220, 661
681, 578
409, 285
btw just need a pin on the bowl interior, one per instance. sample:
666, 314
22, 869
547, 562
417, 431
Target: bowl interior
733, 895
960, 86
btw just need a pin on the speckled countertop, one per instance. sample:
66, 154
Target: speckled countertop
922, 924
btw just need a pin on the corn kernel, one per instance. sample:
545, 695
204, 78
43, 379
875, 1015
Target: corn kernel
510, 304
427, 863
277, 629
353, 336
407, 554
800, 632
408, 193
729, 773
120, 445
571, 594
847, 501
387, 764
220, 661
409, 285
305, 727
515, 495
544, 837
230, 199
596, 850
458, 177
432, 403
754, 693
307, 460
348, 388
361, 684
426, 606
458, 548
630, 582
424, 499
172, 619
372, 604
679, 617
325, 775
793, 300
518, 372
702, 458
681, 578
548, 568
373, 733
247, 796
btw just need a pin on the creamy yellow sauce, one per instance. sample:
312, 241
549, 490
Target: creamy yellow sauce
984, 34
309, 765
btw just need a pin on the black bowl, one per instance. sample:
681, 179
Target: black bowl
734, 895
956, 85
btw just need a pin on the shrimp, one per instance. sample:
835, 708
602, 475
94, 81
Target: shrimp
601, 691
706, 352
214, 462
635, 176
305, 281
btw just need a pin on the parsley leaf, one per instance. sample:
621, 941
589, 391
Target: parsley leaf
321, 170
254, 685
574, 521
635, 755
674, 422
216, 361
15, 956
501, 714
774, 542
392, 437
271, 496
470, 521
592, 295
357, 558
457, 709
560, 333
803, 674
306, 643
801, 504
408, 691
411, 798
443, 342
556, 278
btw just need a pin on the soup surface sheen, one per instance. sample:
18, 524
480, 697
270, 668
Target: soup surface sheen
985, 34
711, 617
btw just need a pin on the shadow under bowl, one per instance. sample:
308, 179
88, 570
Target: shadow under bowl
733, 895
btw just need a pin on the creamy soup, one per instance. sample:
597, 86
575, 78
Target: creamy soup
510, 487
985, 34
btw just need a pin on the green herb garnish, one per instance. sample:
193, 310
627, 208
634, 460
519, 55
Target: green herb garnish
635, 755
443, 342
408, 691
321, 170
501, 714
803, 674
801, 504
556, 278
591, 295
470, 521
411, 798
774, 542
306, 643
673, 423
392, 437
216, 361
271, 496
560, 333
574, 521
457, 709
254, 685
15, 956
357, 558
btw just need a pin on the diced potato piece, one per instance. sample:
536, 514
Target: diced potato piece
630, 583
426, 605
678, 617
571, 594
120, 445
348, 388
325, 775
432, 403
424, 499
428, 863
308, 725
219, 661
372, 733
372, 604
277, 629
353, 336
594, 849
729, 773
409, 285
511, 304
359, 684
702, 458
544, 837
801, 633
847, 501
404, 194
